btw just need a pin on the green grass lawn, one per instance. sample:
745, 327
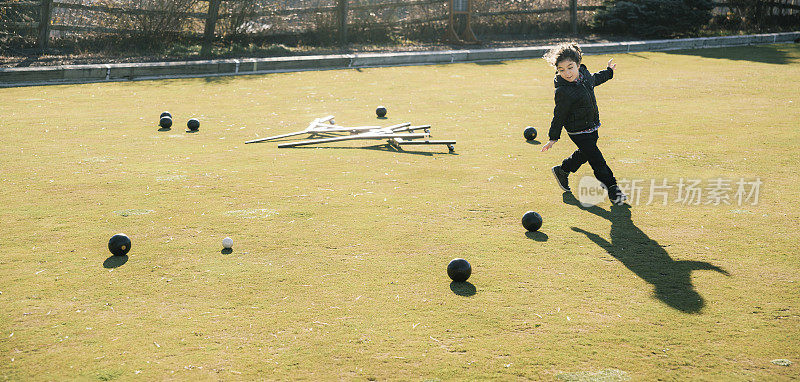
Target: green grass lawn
338, 269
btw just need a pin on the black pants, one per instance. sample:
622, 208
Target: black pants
588, 152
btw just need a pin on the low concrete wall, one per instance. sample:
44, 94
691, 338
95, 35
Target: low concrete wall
65, 74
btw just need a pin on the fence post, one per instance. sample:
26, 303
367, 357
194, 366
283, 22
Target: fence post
44, 26
573, 16
343, 22
211, 23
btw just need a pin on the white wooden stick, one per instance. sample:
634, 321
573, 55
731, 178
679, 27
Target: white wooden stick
414, 128
278, 136
342, 129
402, 126
308, 130
355, 137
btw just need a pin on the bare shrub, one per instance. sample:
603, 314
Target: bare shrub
14, 20
158, 18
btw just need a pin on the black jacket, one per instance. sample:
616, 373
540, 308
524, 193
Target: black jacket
576, 106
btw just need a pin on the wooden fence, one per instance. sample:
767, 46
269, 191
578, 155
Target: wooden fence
338, 9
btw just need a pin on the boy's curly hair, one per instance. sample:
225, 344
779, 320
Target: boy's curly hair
564, 51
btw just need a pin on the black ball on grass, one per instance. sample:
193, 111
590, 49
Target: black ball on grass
380, 111
165, 114
165, 122
459, 270
529, 133
532, 221
119, 244
193, 124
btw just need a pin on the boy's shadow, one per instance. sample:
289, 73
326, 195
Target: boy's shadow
671, 279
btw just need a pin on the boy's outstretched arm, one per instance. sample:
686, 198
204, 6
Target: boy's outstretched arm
605, 74
560, 113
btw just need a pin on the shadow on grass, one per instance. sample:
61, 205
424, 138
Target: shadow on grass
464, 288
226, 251
638, 55
538, 236
220, 80
762, 53
646, 258
533, 142
115, 261
165, 129
484, 63
390, 148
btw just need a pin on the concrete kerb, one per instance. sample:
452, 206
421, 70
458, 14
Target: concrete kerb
69, 74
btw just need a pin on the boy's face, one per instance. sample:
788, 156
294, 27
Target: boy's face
568, 70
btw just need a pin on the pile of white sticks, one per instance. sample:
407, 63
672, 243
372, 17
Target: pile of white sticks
325, 130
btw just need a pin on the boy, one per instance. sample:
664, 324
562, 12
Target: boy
576, 111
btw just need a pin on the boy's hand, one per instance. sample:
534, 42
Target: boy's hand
548, 145
611, 64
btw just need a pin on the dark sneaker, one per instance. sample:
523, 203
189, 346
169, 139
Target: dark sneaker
561, 177
616, 196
